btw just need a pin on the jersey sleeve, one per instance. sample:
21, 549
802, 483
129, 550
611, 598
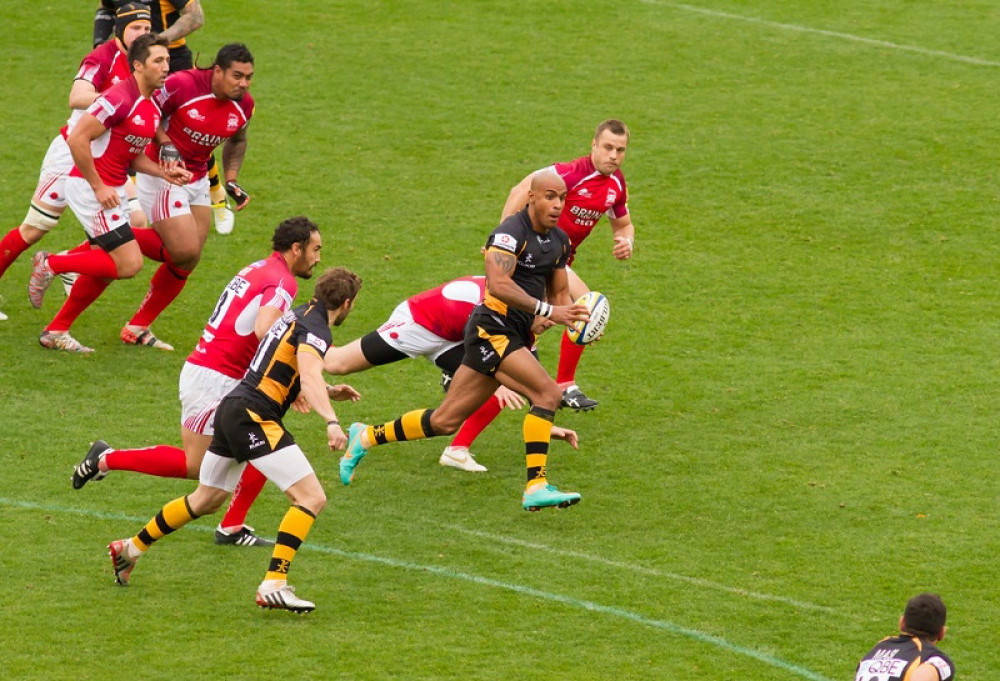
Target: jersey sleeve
943, 665
278, 296
619, 208
505, 238
314, 334
109, 109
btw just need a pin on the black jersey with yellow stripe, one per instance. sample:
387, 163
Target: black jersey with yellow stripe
163, 14
273, 377
538, 255
894, 659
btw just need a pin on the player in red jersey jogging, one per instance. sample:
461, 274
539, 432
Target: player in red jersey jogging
105, 66
431, 324
596, 187
202, 109
107, 141
249, 305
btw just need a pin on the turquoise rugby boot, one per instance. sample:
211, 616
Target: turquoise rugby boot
546, 496
355, 452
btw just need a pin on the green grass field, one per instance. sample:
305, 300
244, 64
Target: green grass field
798, 386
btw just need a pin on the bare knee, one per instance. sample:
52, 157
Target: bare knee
444, 424
313, 500
550, 398
128, 264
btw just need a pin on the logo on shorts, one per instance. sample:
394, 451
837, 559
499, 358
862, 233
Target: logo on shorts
487, 353
255, 441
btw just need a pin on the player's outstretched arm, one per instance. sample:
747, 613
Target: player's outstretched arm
191, 19
314, 390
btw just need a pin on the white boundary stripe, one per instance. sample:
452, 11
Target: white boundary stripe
831, 34
653, 572
591, 606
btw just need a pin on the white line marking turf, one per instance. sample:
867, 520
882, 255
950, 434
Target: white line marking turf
590, 606
818, 31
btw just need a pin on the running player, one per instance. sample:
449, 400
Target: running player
248, 424
105, 143
202, 108
596, 187
525, 277
431, 324
250, 303
105, 66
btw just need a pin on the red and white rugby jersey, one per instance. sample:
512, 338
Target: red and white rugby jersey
105, 66
445, 310
228, 342
131, 121
590, 195
197, 121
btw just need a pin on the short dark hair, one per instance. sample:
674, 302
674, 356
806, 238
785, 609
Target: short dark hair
232, 52
614, 126
337, 285
924, 615
297, 230
139, 50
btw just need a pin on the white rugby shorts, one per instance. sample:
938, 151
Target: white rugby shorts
96, 220
201, 389
410, 338
51, 188
283, 467
161, 200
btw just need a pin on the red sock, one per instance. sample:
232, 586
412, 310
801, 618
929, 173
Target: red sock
85, 291
477, 423
569, 360
150, 243
164, 461
166, 284
82, 248
11, 246
246, 492
93, 261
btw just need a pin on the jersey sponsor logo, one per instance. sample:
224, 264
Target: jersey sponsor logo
316, 342
585, 213
610, 200
233, 123
203, 138
944, 669
505, 241
195, 114
138, 119
584, 192
880, 670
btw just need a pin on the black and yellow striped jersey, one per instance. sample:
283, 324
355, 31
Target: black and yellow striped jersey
163, 14
273, 377
894, 659
537, 256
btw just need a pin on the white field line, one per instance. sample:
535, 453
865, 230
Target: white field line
643, 570
818, 31
520, 589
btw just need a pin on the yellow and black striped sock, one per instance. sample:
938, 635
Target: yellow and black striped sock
537, 434
215, 189
413, 425
171, 517
291, 533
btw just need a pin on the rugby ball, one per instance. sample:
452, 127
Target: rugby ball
583, 333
